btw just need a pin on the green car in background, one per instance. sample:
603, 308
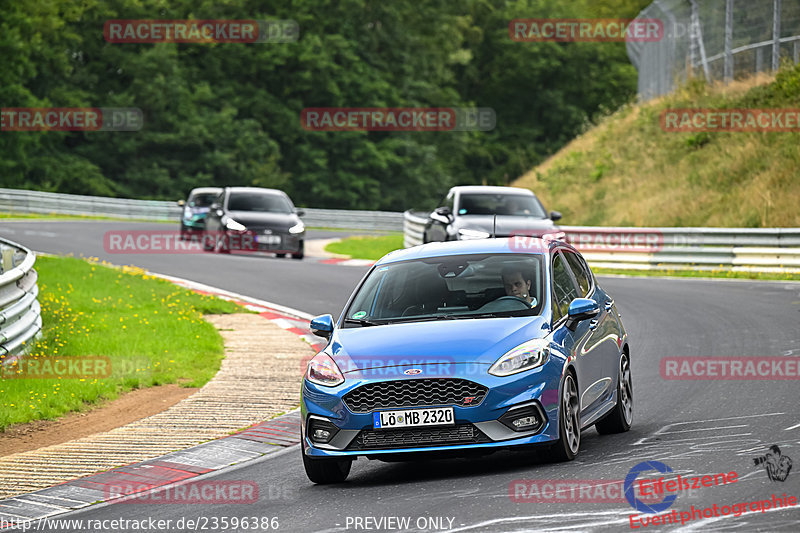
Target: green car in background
195, 210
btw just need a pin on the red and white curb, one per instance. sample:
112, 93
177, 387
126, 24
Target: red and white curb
284, 317
347, 262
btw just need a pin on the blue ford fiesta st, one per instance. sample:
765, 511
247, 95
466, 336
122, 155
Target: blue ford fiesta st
464, 347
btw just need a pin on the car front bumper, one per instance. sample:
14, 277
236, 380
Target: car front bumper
477, 427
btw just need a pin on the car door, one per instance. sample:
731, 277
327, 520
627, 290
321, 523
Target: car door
579, 342
438, 222
602, 336
213, 219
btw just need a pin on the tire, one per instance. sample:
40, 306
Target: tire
326, 471
280, 255
569, 422
620, 418
300, 251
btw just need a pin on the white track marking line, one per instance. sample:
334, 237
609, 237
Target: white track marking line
793, 427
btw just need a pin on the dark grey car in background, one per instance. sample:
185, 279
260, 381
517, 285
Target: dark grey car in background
265, 219
478, 212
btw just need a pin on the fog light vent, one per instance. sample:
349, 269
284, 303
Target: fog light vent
524, 418
321, 431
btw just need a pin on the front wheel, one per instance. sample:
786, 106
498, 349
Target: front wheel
620, 418
326, 471
569, 422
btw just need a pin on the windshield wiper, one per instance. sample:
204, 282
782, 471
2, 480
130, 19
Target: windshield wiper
363, 322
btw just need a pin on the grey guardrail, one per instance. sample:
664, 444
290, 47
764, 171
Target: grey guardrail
20, 313
738, 249
23, 201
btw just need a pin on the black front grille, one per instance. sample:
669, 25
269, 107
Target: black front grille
376, 439
414, 393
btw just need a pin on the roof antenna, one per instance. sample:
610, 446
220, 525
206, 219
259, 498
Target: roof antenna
494, 226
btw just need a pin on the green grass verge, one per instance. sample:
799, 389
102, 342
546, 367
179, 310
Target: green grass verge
367, 247
719, 274
152, 331
58, 216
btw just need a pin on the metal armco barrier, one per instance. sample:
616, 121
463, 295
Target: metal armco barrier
738, 249
20, 313
23, 201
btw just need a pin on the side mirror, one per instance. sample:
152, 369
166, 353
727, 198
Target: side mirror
322, 326
299, 212
181, 203
442, 214
581, 309
555, 215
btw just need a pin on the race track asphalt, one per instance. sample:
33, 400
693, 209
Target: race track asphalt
695, 427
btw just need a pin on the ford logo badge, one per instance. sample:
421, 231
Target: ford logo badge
412, 372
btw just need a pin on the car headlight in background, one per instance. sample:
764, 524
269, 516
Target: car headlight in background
234, 226
526, 356
322, 370
297, 228
469, 234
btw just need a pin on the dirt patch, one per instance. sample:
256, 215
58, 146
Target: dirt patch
128, 408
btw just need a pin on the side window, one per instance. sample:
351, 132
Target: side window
563, 286
580, 271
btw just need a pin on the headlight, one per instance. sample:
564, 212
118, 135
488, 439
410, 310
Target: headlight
298, 228
322, 370
468, 234
234, 226
524, 357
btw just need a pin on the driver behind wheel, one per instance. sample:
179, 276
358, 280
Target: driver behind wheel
518, 284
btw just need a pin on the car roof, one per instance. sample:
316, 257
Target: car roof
490, 189
255, 189
478, 246
205, 190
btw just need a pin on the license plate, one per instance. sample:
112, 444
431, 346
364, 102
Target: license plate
439, 416
268, 239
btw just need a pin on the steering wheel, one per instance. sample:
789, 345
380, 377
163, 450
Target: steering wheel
515, 299
502, 304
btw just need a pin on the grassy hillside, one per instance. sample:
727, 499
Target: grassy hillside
628, 171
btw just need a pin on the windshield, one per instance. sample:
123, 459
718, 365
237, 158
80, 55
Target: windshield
202, 200
500, 204
271, 203
464, 286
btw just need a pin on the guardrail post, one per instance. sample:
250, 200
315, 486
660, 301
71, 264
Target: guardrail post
7, 261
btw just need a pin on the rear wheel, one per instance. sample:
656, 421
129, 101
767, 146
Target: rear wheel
326, 471
280, 255
569, 422
620, 418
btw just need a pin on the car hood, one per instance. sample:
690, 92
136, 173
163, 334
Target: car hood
506, 225
443, 341
264, 219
